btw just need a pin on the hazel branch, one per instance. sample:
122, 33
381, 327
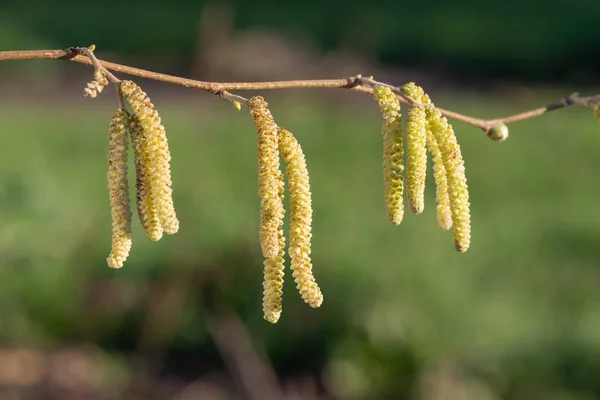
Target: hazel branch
221, 89
96, 63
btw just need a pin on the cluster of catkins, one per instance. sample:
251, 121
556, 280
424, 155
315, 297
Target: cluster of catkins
152, 171
426, 128
142, 127
274, 141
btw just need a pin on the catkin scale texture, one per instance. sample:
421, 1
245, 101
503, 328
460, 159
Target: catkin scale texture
156, 156
416, 155
96, 85
300, 218
457, 182
119, 189
269, 177
146, 207
273, 274
393, 167
440, 176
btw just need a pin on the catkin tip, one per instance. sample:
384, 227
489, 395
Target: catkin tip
273, 288
272, 316
460, 246
119, 253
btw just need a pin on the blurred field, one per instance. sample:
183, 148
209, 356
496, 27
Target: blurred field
405, 316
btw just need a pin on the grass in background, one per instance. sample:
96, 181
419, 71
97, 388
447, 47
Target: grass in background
520, 309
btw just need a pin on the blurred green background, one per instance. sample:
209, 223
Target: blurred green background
404, 316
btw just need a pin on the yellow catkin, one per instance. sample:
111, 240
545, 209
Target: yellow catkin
457, 182
300, 218
158, 156
444, 215
393, 167
273, 273
119, 189
146, 207
416, 154
271, 205
96, 85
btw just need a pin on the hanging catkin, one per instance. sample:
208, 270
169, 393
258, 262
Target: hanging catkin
118, 189
300, 218
393, 167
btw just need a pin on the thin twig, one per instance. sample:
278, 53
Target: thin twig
97, 65
221, 88
234, 98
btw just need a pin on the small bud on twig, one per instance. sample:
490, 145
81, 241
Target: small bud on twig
498, 133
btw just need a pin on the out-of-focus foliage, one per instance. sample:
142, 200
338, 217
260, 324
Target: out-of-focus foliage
517, 316
473, 38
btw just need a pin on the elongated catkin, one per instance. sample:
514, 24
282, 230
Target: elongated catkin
119, 189
440, 176
393, 167
457, 182
300, 218
157, 155
271, 205
416, 154
146, 206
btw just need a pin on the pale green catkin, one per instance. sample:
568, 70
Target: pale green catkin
118, 189
458, 191
96, 85
416, 159
146, 206
440, 176
157, 155
273, 273
300, 218
270, 191
393, 167
271, 205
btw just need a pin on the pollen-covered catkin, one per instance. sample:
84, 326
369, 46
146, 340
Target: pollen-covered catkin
393, 167
158, 156
416, 155
300, 218
444, 215
146, 208
96, 85
271, 205
273, 273
118, 189
457, 181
